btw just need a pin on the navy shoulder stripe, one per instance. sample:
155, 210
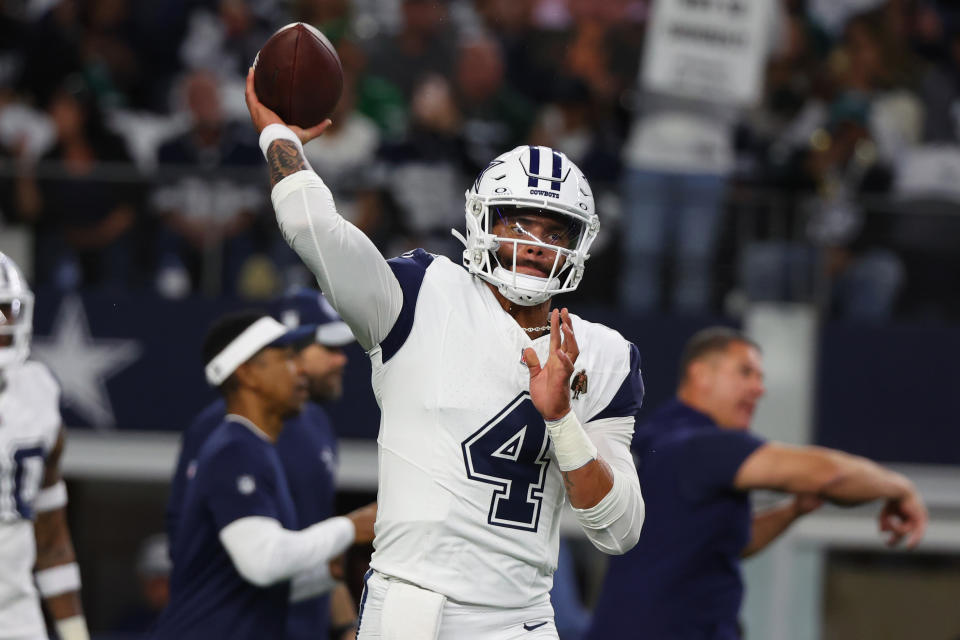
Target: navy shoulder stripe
629, 396
409, 270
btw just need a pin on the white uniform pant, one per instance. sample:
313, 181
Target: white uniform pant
460, 621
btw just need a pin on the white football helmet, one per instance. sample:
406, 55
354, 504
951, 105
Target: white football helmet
16, 314
534, 180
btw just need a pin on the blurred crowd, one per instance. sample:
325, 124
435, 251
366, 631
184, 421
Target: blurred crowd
125, 147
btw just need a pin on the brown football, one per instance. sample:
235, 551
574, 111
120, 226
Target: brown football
298, 75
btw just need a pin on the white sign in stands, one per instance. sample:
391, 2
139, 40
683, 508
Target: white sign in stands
708, 49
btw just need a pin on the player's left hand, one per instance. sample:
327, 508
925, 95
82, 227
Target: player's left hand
550, 384
263, 116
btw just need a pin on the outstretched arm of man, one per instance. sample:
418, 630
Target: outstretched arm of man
767, 525
840, 478
599, 476
265, 553
352, 273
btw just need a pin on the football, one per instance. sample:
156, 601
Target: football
298, 75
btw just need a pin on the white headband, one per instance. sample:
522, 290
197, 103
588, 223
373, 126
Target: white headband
255, 337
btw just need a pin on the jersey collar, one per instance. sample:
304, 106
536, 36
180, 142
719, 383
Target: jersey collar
249, 425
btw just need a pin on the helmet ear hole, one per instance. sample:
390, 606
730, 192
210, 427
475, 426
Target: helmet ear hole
475, 206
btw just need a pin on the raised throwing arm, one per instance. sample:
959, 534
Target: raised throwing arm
352, 273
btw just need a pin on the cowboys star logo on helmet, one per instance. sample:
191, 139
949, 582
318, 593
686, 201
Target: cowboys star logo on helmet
529, 179
16, 314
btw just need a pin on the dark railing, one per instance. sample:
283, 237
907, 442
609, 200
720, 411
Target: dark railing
754, 214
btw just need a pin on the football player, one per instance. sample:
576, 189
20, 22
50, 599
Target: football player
36, 552
481, 440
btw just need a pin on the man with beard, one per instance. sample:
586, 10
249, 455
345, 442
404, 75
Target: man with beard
241, 553
307, 448
482, 441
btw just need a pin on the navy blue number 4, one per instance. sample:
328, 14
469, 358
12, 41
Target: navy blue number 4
510, 453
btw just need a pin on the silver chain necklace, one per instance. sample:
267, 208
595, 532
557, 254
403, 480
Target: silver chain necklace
535, 329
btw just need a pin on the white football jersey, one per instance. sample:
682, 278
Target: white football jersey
29, 425
470, 493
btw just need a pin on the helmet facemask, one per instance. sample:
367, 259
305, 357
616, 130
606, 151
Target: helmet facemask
16, 327
521, 232
507, 200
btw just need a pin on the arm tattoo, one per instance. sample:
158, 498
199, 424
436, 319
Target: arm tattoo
567, 482
284, 159
54, 546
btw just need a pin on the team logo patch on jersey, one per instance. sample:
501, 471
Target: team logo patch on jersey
579, 383
246, 485
329, 460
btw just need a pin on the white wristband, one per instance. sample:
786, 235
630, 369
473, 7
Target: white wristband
311, 583
53, 497
73, 628
276, 131
56, 580
570, 442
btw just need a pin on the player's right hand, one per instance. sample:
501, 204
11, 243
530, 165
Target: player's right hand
905, 516
363, 519
263, 116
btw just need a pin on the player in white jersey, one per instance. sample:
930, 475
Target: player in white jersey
36, 554
480, 443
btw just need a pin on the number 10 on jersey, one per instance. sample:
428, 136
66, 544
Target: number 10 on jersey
510, 453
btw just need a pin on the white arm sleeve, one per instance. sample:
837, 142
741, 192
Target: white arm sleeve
351, 272
311, 583
613, 524
265, 553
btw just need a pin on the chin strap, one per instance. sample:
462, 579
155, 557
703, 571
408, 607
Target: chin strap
526, 296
